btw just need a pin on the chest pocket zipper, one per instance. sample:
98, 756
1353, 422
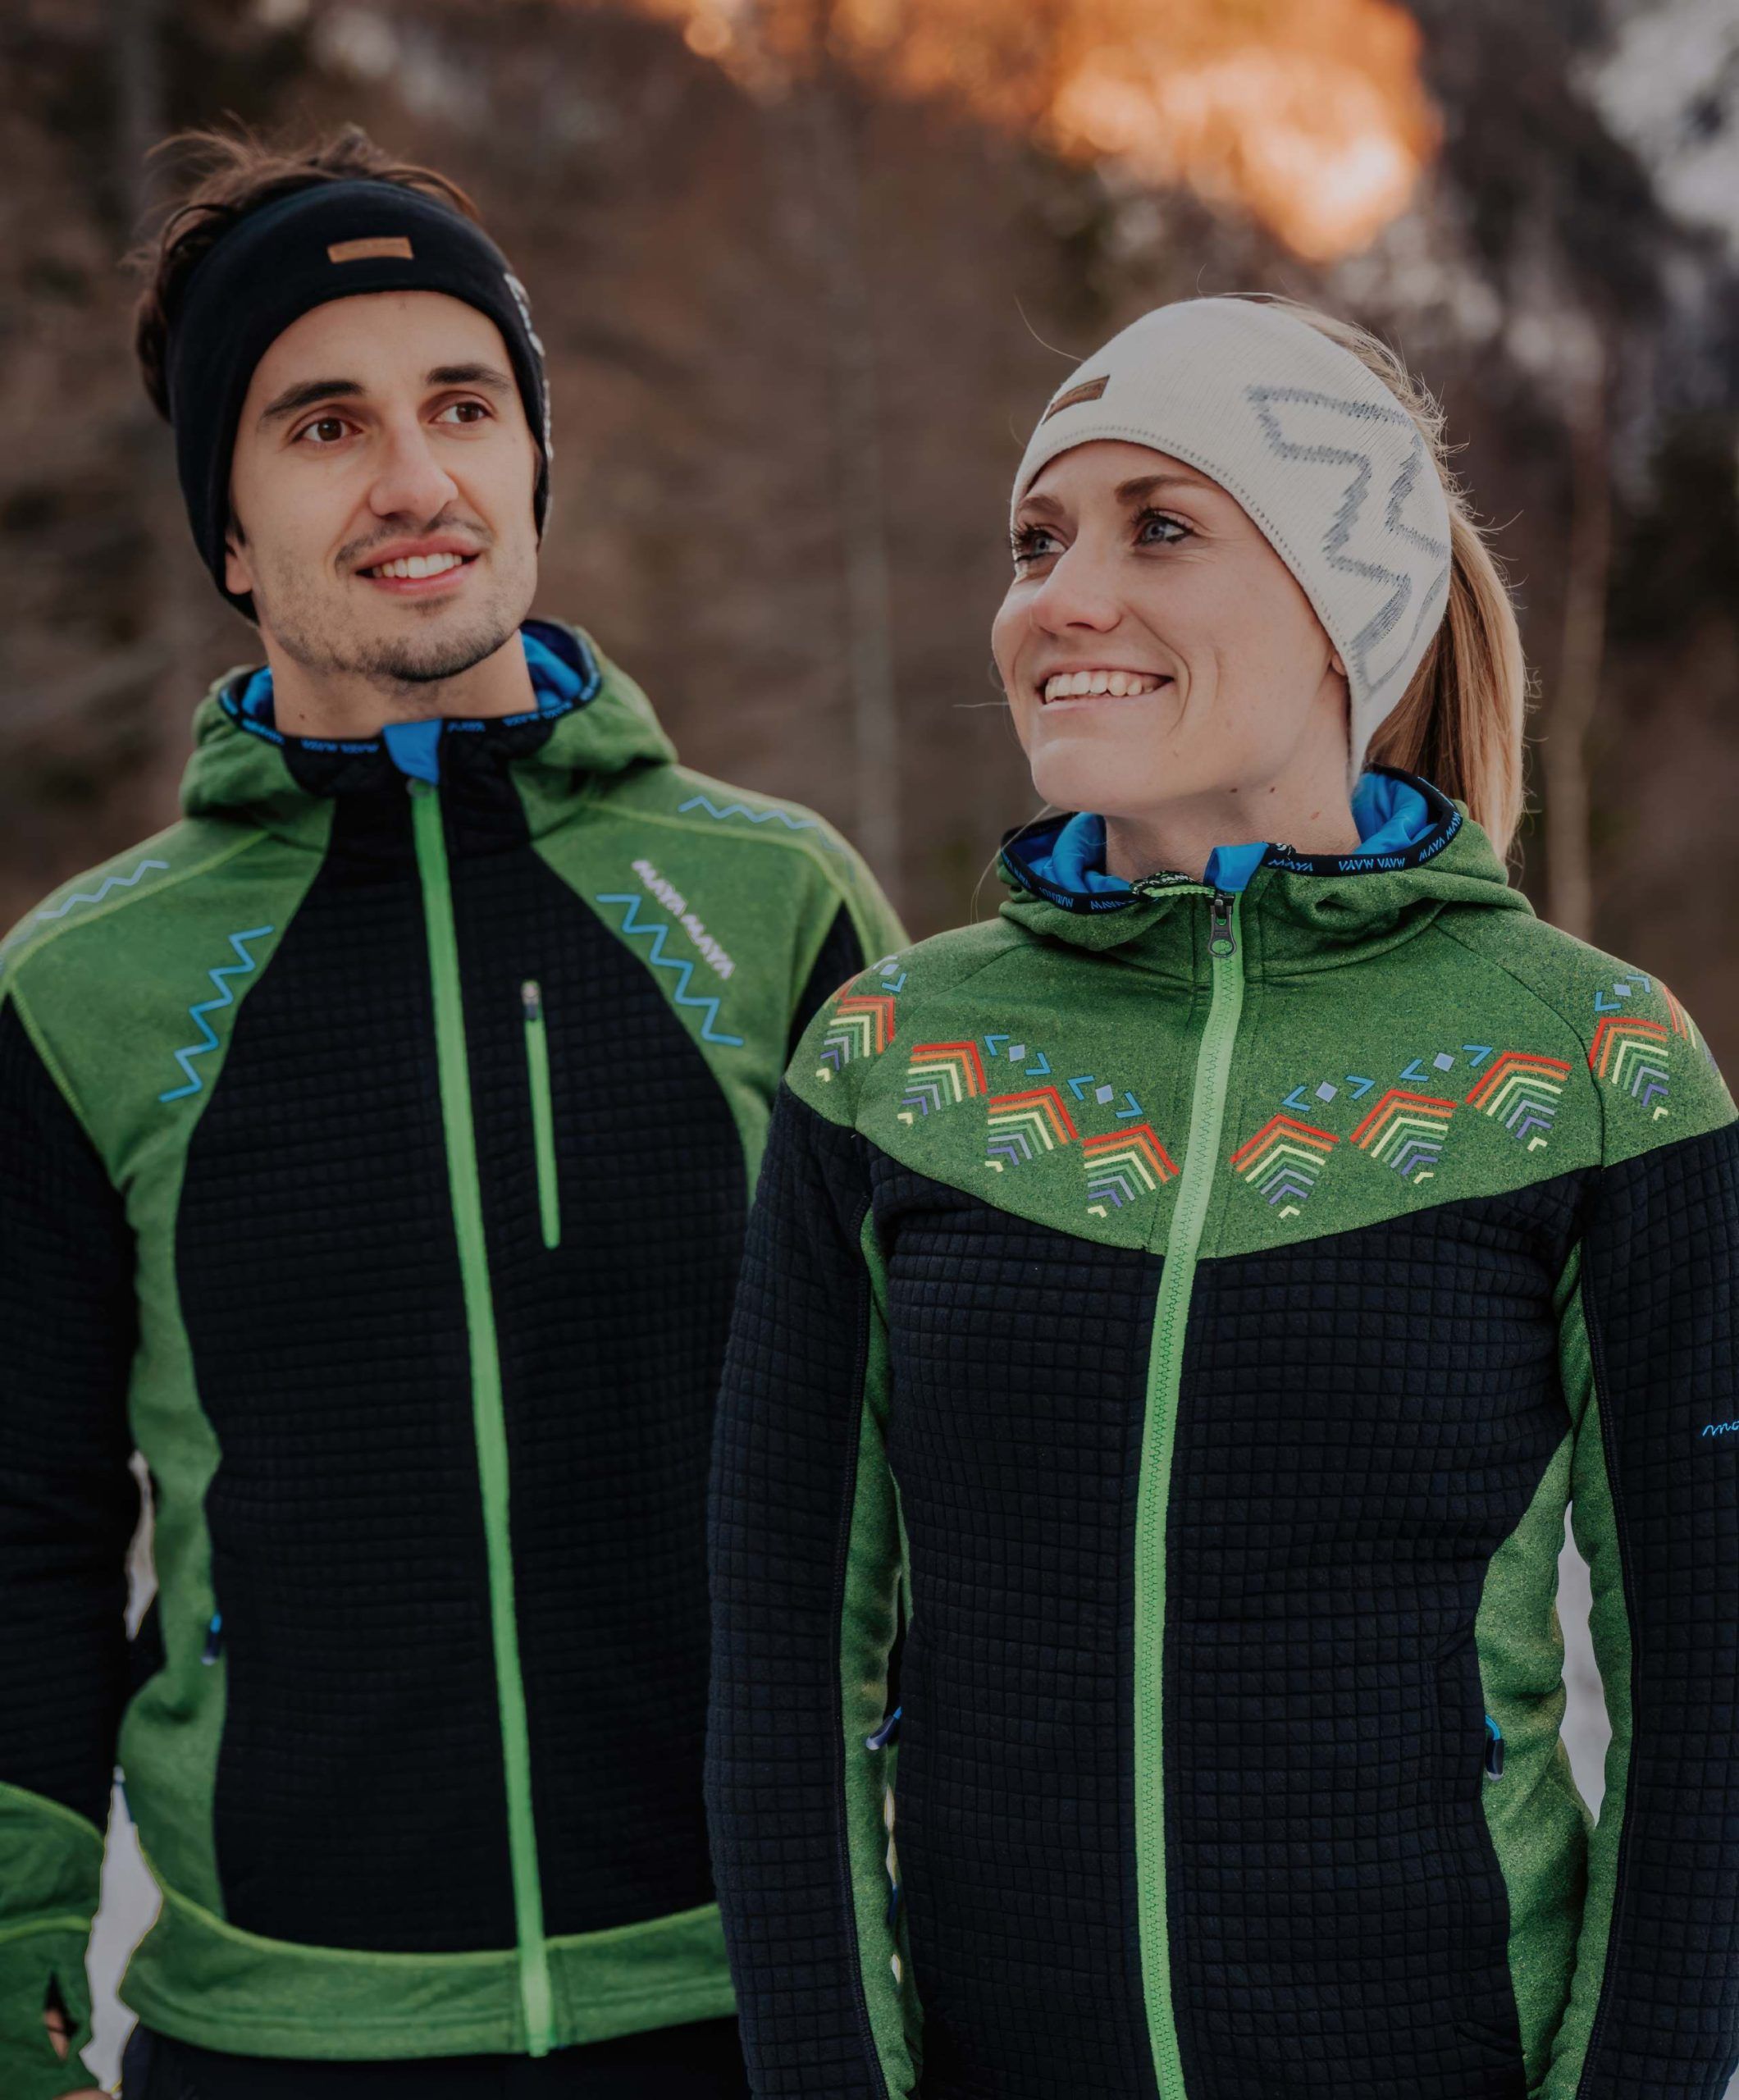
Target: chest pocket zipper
543, 1116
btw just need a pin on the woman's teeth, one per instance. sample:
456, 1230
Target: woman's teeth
1120, 684
418, 565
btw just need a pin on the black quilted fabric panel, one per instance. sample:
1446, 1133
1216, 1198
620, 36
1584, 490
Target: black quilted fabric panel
320, 1285
1352, 1448
611, 1345
1351, 1451
68, 1502
841, 957
783, 1479
1661, 1290
1019, 1364
316, 1240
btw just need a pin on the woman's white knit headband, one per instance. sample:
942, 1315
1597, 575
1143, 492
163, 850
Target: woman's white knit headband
1329, 465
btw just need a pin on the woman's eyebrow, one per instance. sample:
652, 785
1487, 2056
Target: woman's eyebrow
1145, 485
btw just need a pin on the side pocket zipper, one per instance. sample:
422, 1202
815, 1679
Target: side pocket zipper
1494, 1749
543, 1118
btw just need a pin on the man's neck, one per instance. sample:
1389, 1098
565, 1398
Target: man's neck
355, 703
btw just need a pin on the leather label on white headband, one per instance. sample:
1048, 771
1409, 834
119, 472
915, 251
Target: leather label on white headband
1089, 389
363, 251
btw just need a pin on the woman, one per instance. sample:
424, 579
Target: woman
1183, 1308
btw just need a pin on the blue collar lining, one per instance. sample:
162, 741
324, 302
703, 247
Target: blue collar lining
1391, 816
414, 747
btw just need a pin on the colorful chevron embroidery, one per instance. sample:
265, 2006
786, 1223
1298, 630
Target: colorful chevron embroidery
1284, 1161
1022, 1126
1633, 1056
1122, 1164
862, 1027
939, 1076
1682, 1021
1522, 1092
1406, 1131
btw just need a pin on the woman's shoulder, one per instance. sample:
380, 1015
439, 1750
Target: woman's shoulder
1626, 1029
886, 1004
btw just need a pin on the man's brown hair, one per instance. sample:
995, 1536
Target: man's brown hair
231, 173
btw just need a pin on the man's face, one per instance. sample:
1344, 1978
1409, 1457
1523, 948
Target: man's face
381, 432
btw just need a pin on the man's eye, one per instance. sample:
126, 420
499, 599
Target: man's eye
324, 430
464, 411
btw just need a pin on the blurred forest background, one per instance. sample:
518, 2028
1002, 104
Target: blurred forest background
807, 270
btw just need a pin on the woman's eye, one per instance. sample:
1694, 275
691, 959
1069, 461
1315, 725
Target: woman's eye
1147, 526
1033, 543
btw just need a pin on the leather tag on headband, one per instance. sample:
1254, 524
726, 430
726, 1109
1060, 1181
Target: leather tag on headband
377, 243
1089, 389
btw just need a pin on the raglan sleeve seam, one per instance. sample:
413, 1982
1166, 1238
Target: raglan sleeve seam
1563, 1020
51, 1064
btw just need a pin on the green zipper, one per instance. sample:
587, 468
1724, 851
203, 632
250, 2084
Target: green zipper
543, 1117
485, 1396
1165, 1370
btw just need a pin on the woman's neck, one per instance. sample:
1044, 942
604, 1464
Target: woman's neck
1314, 817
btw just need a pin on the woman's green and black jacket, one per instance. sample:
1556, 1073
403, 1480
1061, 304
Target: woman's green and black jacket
1174, 1323
375, 1146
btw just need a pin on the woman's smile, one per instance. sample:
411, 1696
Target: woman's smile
1099, 683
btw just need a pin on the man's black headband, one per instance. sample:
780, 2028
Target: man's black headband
328, 242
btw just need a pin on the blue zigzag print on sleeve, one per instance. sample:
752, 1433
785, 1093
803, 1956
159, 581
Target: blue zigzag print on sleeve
682, 996
244, 966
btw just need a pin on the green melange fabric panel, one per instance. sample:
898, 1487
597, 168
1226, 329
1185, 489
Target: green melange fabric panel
1452, 1062
1597, 1538
727, 900
874, 1567
223, 1989
56, 1858
1537, 1819
169, 962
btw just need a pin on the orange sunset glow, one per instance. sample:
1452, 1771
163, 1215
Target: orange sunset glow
1311, 115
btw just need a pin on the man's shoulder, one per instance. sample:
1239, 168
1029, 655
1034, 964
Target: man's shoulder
94, 918
696, 830
738, 819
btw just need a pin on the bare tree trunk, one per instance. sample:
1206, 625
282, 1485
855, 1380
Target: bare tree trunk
1581, 656
136, 52
829, 114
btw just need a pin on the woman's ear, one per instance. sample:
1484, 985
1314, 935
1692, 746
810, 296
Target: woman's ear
1336, 664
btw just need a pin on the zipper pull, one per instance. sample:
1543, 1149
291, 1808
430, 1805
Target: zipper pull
1222, 942
1494, 1749
213, 1639
886, 1733
530, 998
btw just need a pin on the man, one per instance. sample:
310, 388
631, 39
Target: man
375, 1146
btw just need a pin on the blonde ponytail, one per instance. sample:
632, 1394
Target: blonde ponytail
1460, 723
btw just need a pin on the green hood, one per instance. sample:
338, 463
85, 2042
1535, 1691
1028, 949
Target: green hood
1300, 912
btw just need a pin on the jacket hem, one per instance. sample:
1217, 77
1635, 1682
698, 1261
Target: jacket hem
198, 1980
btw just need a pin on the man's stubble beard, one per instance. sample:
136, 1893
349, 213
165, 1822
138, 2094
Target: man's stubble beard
398, 667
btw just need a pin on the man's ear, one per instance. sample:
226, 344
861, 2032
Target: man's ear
238, 572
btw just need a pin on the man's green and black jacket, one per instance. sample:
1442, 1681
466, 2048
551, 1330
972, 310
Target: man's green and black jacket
1174, 1323
375, 1151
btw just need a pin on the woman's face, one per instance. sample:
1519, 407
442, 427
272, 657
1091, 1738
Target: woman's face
1153, 646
